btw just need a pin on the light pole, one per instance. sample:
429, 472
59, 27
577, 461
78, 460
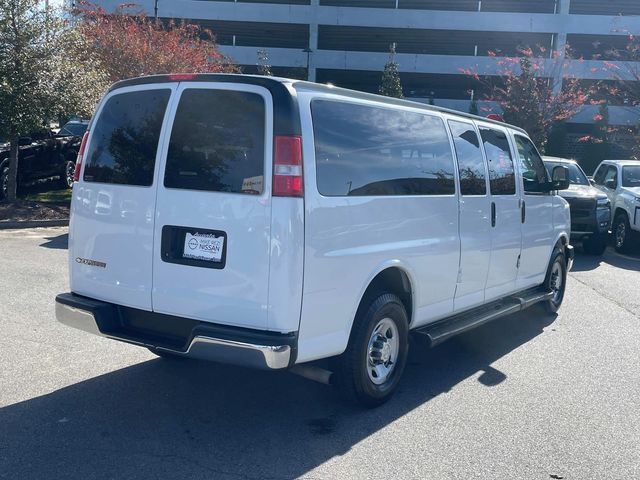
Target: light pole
308, 51
155, 9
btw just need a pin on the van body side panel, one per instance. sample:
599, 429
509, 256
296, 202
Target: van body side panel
111, 232
475, 214
506, 234
286, 264
537, 227
350, 238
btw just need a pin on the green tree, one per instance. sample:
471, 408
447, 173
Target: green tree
533, 91
25, 85
390, 85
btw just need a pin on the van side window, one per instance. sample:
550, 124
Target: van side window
470, 161
502, 179
365, 150
125, 138
217, 142
534, 175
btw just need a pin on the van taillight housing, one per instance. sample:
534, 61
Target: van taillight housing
83, 144
287, 166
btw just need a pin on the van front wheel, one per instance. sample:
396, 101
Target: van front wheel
369, 371
556, 281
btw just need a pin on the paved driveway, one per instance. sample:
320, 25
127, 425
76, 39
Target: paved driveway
529, 396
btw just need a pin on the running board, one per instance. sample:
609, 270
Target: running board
442, 330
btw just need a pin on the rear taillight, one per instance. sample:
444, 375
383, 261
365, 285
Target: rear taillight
287, 166
83, 144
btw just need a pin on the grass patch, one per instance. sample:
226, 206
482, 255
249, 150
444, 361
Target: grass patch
51, 196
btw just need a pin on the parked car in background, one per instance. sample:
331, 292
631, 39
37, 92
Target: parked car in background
74, 128
271, 223
44, 156
620, 181
590, 208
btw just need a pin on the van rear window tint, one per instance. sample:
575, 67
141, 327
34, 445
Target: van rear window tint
125, 138
217, 142
364, 150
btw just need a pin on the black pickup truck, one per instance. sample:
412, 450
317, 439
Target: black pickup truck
44, 155
590, 208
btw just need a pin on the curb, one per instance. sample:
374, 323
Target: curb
34, 224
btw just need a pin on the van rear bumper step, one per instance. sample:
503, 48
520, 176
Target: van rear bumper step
442, 330
178, 336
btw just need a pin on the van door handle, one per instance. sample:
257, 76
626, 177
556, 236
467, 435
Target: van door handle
493, 214
523, 212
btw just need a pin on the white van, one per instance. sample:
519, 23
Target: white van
270, 223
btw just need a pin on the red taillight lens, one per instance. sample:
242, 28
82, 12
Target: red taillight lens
83, 144
287, 167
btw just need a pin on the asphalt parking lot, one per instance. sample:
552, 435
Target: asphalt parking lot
530, 396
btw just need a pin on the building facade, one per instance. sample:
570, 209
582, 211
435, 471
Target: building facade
346, 42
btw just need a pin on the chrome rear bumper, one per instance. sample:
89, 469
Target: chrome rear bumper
233, 345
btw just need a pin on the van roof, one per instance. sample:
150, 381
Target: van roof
275, 86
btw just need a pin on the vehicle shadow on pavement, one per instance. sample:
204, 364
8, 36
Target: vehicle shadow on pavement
190, 419
583, 263
60, 242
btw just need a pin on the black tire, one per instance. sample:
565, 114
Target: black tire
165, 355
354, 371
596, 244
4, 183
66, 178
556, 272
622, 233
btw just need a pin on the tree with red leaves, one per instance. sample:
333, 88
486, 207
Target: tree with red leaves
127, 43
527, 91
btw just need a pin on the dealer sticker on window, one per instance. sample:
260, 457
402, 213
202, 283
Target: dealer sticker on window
205, 246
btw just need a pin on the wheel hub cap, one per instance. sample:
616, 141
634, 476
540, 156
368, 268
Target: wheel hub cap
382, 352
556, 281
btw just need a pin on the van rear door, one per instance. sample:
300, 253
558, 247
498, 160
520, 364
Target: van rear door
112, 221
213, 212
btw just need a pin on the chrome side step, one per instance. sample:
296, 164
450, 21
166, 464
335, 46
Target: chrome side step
442, 330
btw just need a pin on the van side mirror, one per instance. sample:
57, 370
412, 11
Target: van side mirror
610, 183
592, 182
24, 141
560, 178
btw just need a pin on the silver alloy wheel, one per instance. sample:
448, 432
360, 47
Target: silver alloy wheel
383, 350
70, 173
621, 233
556, 281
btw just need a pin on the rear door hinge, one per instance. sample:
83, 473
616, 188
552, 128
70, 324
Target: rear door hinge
459, 279
518, 262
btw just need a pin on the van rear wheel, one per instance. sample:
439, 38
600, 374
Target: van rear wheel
369, 371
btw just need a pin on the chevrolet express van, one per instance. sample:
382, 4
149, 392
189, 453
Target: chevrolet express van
270, 223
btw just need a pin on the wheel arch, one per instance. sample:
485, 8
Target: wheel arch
392, 277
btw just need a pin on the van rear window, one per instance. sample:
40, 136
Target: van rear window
125, 138
217, 142
366, 150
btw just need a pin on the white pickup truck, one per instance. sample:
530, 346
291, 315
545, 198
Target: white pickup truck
271, 223
620, 180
